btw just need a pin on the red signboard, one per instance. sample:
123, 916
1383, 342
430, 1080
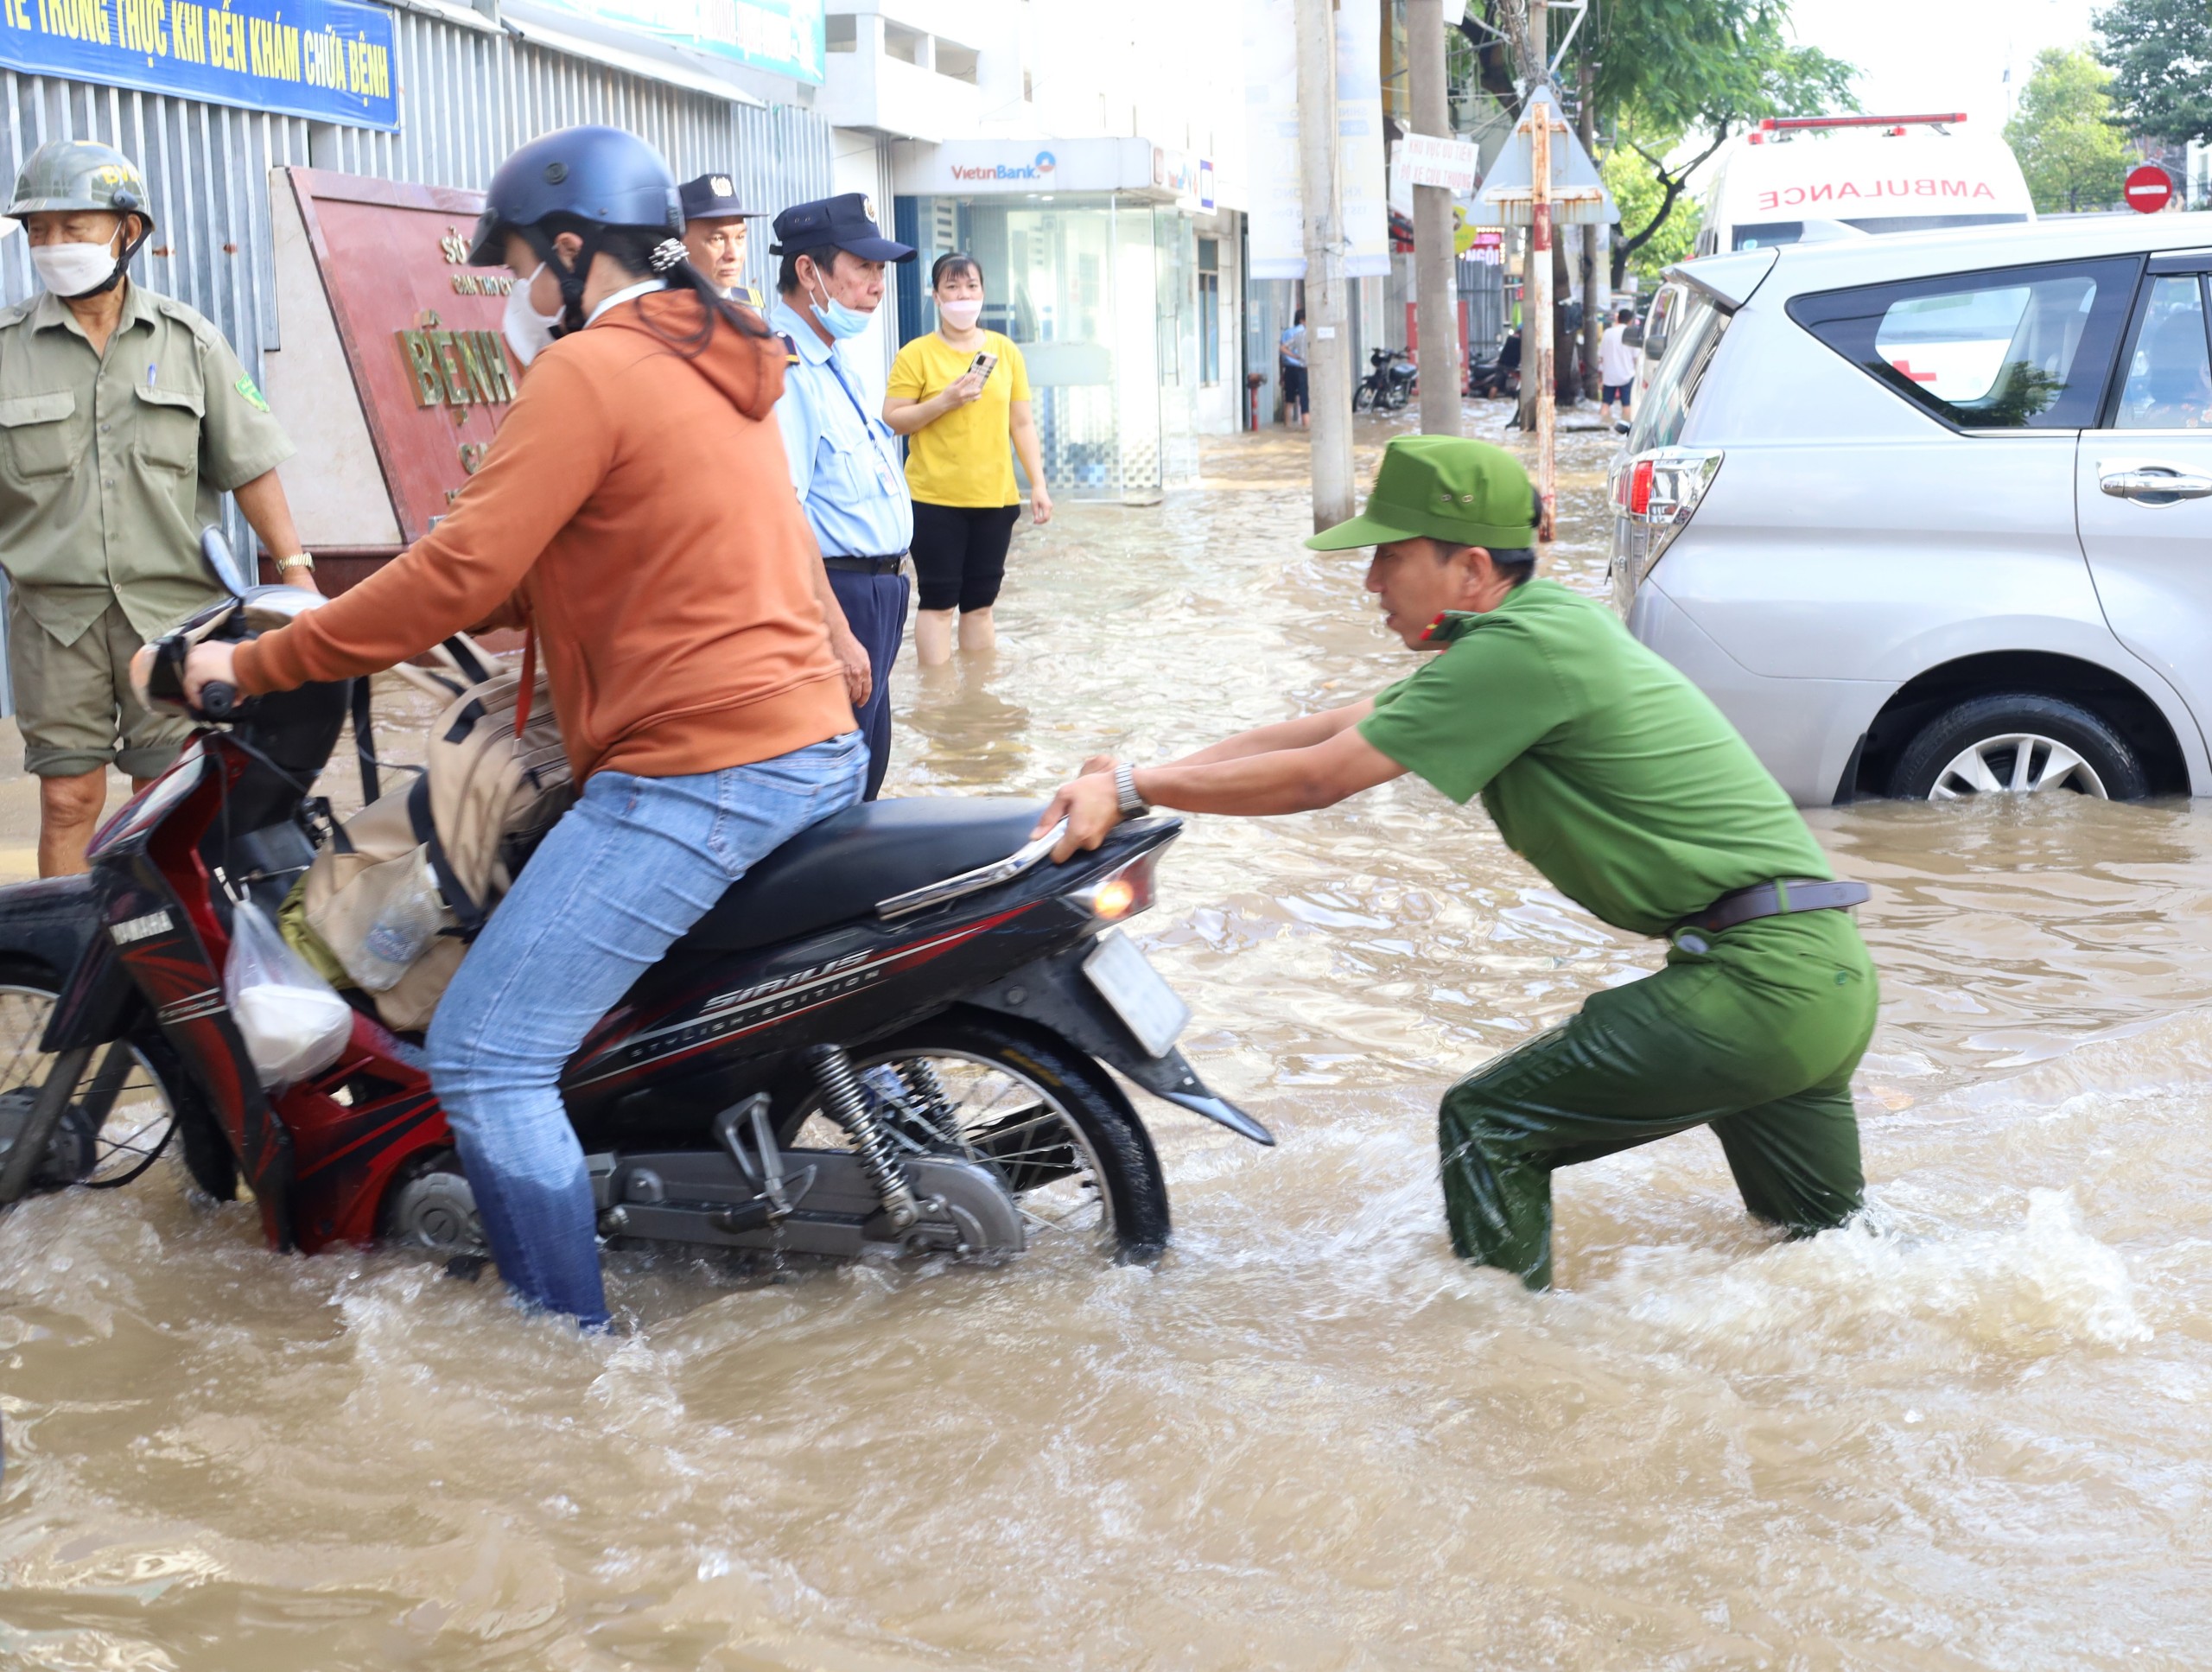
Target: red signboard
419, 329
2150, 189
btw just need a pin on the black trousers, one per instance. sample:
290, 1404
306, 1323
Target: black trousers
875, 609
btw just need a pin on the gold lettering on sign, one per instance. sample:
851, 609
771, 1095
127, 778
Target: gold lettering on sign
455, 245
457, 368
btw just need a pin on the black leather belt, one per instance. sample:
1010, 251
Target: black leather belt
866, 565
1778, 898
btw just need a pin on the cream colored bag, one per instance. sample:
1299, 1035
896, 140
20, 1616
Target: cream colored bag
405, 884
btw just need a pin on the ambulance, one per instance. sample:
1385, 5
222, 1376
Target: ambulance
1799, 179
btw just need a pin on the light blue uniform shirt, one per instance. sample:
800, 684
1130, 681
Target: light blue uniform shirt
844, 459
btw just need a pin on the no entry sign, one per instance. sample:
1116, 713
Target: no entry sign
2150, 189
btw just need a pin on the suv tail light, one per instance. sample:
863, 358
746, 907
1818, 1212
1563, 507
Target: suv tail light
1654, 495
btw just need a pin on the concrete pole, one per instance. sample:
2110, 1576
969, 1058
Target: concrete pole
1328, 370
1597, 291
1537, 284
1435, 305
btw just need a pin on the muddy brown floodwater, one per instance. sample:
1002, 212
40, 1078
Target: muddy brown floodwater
1971, 1431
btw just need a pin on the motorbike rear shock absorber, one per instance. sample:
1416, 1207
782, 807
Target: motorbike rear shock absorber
843, 1102
920, 1076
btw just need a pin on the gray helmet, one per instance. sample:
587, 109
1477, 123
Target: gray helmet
66, 175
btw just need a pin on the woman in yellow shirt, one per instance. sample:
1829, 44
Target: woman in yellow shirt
959, 415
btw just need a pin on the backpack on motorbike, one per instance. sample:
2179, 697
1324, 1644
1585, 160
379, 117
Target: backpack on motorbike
404, 886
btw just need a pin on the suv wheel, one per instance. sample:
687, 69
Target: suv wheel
2017, 744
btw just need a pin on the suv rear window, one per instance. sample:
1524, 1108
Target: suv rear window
1683, 343
2020, 348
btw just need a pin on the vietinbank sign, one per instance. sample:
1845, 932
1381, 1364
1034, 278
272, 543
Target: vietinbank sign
1039, 170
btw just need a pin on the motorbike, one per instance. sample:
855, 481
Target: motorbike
1494, 378
1392, 380
892, 1036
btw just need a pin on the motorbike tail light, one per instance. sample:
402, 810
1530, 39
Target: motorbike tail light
1120, 893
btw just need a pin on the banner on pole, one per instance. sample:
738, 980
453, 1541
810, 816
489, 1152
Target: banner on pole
328, 60
1277, 216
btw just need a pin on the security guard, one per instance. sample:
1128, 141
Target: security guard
714, 232
1618, 780
844, 459
125, 415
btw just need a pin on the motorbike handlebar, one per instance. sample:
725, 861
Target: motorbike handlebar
218, 700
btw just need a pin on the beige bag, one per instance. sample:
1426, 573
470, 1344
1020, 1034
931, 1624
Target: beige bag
405, 884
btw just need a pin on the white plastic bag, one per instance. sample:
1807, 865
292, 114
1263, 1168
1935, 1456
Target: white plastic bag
294, 1022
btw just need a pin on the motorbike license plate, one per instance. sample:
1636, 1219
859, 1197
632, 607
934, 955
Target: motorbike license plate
1140, 994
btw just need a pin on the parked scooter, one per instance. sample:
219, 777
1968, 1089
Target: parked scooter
1499, 377
892, 1035
1392, 380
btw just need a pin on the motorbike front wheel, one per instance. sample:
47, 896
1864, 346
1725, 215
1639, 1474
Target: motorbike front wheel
142, 1112
1048, 1119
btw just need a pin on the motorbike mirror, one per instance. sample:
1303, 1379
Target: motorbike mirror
222, 566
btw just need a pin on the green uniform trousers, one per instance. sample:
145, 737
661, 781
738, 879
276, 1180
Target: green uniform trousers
1756, 1037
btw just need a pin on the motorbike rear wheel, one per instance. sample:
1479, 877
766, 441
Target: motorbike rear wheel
1050, 1121
143, 1118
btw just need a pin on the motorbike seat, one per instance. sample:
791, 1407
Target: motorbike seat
838, 869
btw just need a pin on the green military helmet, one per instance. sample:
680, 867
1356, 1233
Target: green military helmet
70, 175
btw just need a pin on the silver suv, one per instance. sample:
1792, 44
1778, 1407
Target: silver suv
1931, 515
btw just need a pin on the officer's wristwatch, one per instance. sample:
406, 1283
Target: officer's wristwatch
298, 560
1132, 805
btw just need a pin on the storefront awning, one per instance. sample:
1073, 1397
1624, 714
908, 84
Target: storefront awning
638, 54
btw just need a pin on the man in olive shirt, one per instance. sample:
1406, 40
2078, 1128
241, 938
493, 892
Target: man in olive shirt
1616, 779
124, 417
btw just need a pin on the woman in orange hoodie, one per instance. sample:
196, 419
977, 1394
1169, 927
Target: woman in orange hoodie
636, 511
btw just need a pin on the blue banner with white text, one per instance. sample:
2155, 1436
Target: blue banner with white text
328, 60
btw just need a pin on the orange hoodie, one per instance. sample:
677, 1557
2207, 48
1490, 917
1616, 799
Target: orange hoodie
636, 506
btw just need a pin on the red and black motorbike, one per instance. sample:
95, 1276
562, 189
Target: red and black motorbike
892, 1035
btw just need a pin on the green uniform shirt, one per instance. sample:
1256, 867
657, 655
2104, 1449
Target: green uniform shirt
1602, 765
110, 466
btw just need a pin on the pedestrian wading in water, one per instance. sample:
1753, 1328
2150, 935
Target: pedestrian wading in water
1619, 781
960, 394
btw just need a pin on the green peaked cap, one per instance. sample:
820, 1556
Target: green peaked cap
1444, 488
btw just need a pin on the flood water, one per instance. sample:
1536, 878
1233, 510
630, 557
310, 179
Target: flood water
1974, 1430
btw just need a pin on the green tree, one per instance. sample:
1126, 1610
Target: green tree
1637, 193
2160, 55
2073, 155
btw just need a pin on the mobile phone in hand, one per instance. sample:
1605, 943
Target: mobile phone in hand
981, 365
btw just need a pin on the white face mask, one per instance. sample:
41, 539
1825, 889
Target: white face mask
528, 331
961, 313
70, 270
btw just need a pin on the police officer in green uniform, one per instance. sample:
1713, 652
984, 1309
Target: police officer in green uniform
714, 232
124, 417
1616, 779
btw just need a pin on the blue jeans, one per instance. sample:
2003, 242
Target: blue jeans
627, 870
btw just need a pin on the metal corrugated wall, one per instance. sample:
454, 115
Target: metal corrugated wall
467, 98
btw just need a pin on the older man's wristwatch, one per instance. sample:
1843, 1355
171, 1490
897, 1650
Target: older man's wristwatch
298, 560
1132, 805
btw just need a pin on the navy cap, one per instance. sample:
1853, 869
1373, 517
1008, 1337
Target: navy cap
846, 223
713, 197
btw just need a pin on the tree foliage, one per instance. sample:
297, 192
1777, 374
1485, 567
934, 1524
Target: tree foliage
2160, 54
1637, 192
2072, 155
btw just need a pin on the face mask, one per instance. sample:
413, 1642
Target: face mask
528, 331
839, 320
962, 313
72, 269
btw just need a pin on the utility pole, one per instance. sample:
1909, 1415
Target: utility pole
1536, 281
1597, 290
1328, 370
1435, 311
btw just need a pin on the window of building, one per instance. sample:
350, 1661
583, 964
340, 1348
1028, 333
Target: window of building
958, 62
841, 32
903, 44
1209, 311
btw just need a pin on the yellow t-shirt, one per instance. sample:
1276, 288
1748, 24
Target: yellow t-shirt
965, 458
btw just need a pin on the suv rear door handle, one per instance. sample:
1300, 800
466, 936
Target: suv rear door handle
2155, 484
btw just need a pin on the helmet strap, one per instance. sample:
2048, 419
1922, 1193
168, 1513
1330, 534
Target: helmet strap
122, 262
570, 278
